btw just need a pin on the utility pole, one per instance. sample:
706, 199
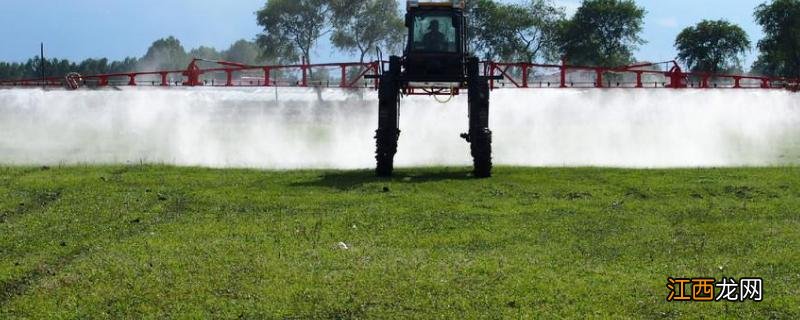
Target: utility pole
41, 65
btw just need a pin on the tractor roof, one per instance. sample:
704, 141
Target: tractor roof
458, 4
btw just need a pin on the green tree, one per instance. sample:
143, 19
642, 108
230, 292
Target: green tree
602, 33
243, 51
292, 28
780, 47
533, 30
12, 70
126, 65
53, 67
483, 29
204, 52
93, 66
165, 54
360, 26
712, 46
31, 69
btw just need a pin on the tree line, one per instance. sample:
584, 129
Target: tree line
601, 33
164, 54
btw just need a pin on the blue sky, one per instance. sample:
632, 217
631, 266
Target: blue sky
79, 29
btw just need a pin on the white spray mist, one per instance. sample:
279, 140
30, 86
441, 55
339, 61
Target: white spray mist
291, 128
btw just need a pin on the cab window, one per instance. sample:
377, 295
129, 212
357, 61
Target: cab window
434, 33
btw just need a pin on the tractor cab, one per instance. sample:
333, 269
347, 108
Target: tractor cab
436, 46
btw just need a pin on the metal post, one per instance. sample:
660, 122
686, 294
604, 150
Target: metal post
41, 64
343, 83
492, 66
525, 67
228, 77
639, 79
266, 76
599, 78
376, 66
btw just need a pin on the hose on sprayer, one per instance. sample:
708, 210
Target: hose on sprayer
73, 80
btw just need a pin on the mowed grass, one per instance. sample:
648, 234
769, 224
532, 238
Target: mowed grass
159, 242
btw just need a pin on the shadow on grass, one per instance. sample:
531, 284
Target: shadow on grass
346, 180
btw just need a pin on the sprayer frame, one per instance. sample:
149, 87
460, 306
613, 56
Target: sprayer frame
416, 69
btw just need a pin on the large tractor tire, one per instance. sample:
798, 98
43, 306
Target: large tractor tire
479, 136
388, 132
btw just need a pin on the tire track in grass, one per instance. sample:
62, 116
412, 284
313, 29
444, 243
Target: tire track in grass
178, 204
37, 201
9, 175
19, 286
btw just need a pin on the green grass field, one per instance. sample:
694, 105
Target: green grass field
155, 242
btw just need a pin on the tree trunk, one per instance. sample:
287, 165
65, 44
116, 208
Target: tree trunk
363, 54
307, 58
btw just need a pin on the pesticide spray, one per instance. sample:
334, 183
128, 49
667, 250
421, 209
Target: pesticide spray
294, 128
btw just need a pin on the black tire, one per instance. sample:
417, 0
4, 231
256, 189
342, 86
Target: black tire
479, 136
388, 133
386, 147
